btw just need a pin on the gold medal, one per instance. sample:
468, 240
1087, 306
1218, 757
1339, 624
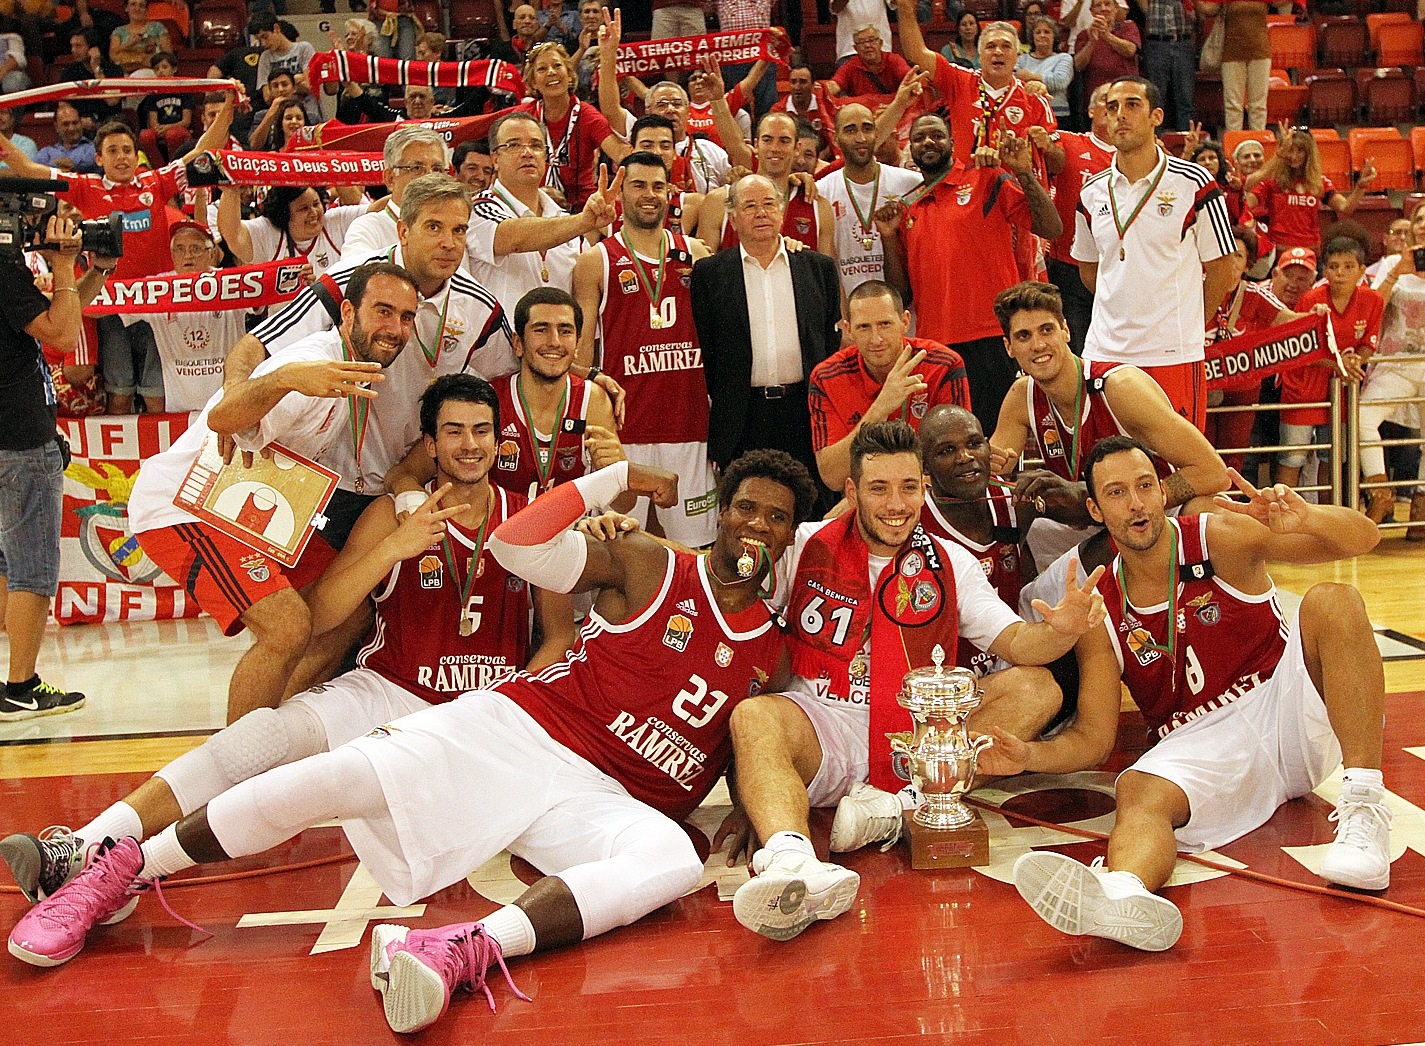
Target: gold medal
466, 625
866, 242
1121, 255
746, 564
655, 318
360, 485
544, 273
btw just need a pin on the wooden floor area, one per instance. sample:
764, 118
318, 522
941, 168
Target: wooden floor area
930, 957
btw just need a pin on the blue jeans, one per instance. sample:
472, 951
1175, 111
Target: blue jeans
405, 44
31, 503
128, 358
1172, 65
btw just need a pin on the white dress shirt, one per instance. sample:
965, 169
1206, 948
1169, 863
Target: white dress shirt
772, 315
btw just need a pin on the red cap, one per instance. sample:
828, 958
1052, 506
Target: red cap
1297, 256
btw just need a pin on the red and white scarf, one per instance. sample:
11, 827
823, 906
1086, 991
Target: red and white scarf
216, 290
834, 610
241, 167
125, 88
330, 67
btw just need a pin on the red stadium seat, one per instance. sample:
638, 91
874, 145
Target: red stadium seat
984, 10
1293, 46
1417, 147
1342, 42
1330, 98
1284, 104
1391, 155
219, 24
1376, 20
428, 14
1388, 97
1335, 160
473, 20
1400, 44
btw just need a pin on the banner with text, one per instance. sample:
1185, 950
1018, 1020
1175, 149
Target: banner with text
217, 290
686, 52
229, 167
1242, 362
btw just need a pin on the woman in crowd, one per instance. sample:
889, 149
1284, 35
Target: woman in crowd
574, 130
277, 126
358, 35
133, 45
1029, 13
1246, 60
1108, 48
1291, 187
293, 222
1402, 330
965, 48
1208, 155
1044, 63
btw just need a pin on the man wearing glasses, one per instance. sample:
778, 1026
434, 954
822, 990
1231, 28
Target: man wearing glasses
409, 153
520, 238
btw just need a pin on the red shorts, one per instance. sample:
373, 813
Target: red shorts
1186, 386
225, 576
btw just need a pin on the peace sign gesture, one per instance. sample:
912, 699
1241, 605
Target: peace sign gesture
422, 528
1279, 508
1081, 608
599, 207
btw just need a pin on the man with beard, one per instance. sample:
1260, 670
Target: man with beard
313, 398
856, 192
1249, 710
966, 213
431, 580
808, 100
853, 639
637, 282
803, 219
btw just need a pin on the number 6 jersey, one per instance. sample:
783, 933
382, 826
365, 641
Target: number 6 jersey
1227, 642
648, 701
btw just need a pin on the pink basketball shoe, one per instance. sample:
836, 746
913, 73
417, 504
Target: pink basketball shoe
427, 965
106, 892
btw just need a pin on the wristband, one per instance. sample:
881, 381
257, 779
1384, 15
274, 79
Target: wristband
409, 500
593, 374
60, 290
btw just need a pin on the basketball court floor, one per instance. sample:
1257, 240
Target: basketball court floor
922, 956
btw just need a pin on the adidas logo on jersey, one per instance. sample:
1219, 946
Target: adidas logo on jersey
687, 606
510, 430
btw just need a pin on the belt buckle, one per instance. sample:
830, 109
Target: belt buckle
774, 392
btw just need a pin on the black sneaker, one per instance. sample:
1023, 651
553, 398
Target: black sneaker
41, 699
42, 863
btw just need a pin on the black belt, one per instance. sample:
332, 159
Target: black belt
1167, 39
777, 392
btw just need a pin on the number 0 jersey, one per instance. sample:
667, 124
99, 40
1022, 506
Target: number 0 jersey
1227, 642
648, 701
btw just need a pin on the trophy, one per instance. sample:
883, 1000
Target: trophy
943, 832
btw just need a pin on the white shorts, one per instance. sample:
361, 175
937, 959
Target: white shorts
357, 702
1240, 762
467, 779
693, 521
841, 729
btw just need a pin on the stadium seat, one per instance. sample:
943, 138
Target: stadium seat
1330, 98
1417, 148
428, 14
984, 10
1376, 20
472, 20
1335, 159
1388, 151
1232, 139
1284, 104
1400, 44
1342, 42
1388, 96
1280, 19
219, 24
1293, 46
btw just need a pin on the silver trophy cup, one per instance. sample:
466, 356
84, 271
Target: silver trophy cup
942, 755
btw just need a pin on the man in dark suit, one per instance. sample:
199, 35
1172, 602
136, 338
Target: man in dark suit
765, 317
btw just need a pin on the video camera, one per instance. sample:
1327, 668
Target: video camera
25, 208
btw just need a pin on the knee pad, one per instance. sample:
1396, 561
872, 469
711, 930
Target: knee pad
256, 742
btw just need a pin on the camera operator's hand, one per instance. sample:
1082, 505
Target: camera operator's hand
63, 233
103, 263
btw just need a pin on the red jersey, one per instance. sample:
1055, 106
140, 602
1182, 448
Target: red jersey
802, 221
1356, 327
970, 107
1227, 643
574, 144
822, 114
524, 460
970, 214
651, 348
1001, 559
416, 640
1252, 307
700, 117
1292, 215
841, 390
672, 221
648, 701
1066, 448
143, 205
1084, 156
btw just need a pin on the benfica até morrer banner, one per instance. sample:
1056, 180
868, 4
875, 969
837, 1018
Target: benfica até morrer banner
1242, 362
217, 290
686, 52
230, 167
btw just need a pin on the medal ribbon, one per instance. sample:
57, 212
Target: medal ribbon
867, 228
654, 289
1171, 648
1123, 227
432, 351
360, 410
1073, 461
474, 559
543, 462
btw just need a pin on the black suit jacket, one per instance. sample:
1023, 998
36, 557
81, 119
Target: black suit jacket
725, 332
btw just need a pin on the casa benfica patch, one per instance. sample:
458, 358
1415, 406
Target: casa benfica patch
912, 596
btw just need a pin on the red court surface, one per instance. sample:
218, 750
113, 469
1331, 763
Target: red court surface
934, 957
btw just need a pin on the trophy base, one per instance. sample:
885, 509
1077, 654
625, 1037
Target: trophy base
931, 848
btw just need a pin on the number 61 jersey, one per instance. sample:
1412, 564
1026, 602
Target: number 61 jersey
648, 701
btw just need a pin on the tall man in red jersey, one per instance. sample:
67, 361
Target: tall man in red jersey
637, 283
881, 375
1250, 710
438, 631
582, 769
957, 247
809, 221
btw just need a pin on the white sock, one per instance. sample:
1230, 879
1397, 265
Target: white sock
1365, 778
119, 821
511, 929
790, 841
162, 855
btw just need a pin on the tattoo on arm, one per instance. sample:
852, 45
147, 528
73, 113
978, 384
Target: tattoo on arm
1179, 488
